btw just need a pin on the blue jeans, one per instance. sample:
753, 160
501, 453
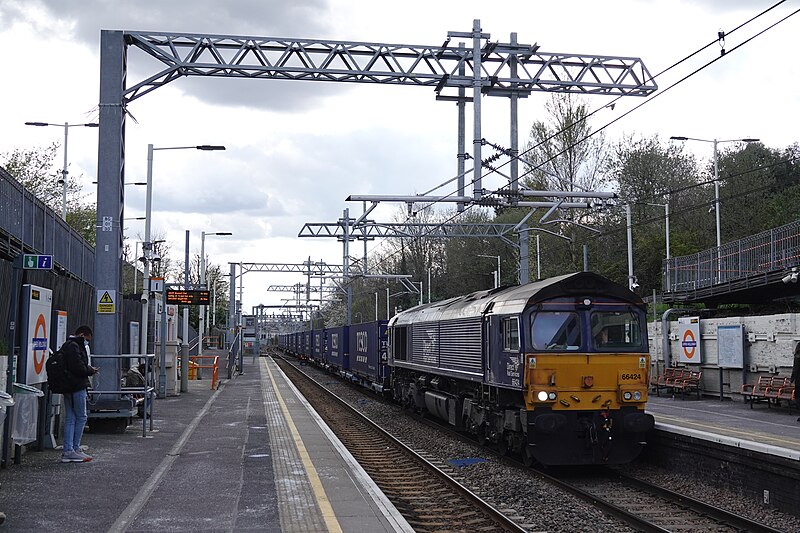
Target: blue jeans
74, 419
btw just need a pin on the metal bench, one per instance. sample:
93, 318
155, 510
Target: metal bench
688, 383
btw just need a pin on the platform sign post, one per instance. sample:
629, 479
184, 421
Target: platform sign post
689, 337
730, 351
37, 308
37, 262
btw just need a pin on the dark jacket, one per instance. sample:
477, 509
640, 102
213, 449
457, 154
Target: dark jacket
77, 362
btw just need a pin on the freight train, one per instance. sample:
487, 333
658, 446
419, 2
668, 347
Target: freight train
555, 371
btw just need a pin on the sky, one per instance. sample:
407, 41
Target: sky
296, 150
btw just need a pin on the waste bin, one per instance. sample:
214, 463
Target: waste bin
26, 413
192, 370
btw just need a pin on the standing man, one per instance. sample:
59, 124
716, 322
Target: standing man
796, 374
76, 356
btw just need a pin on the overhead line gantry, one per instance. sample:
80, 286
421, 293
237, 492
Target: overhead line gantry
509, 70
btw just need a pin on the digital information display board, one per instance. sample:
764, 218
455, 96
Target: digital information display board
188, 297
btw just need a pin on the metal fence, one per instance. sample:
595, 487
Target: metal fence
28, 225
769, 251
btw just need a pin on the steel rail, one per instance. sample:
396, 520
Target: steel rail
476, 501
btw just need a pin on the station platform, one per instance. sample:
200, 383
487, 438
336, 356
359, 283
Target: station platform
770, 430
251, 456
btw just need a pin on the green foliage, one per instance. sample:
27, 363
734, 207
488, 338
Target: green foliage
33, 167
83, 219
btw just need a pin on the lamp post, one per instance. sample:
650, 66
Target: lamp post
147, 246
202, 318
715, 142
64, 171
497, 272
632, 281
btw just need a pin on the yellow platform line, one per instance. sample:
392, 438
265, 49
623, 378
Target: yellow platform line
316, 484
749, 435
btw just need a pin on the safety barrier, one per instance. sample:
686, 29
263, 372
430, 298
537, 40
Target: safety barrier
774, 250
214, 366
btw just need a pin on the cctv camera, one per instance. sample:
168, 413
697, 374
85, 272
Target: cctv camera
155, 258
634, 285
143, 298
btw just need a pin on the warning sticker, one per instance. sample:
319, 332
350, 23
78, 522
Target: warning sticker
105, 301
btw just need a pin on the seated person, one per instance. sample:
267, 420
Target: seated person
135, 376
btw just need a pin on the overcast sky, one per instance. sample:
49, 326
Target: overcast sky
295, 150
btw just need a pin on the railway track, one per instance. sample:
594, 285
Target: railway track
635, 502
427, 498
648, 507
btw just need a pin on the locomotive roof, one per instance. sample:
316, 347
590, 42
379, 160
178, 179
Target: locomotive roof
513, 300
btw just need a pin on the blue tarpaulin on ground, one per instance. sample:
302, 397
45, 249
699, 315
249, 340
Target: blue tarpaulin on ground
460, 463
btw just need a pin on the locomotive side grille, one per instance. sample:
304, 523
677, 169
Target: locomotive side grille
460, 344
425, 344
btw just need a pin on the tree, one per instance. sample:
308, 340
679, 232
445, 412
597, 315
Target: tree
646, 174
83, 219
563, 154
759, 189
33, 167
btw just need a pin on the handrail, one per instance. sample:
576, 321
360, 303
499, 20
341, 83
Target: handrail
193, 344
232, 351
769, 252
147, 391
214, 365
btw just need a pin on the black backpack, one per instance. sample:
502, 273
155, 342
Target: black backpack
59, 379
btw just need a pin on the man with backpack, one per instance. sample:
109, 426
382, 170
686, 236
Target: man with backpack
76, 377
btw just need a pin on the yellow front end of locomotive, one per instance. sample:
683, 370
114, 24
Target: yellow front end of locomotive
597, 381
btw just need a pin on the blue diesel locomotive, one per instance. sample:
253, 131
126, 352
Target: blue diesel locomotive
555, 370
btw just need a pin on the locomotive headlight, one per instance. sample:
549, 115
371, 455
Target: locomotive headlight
551, 396
542, 396
627, 396
637, 395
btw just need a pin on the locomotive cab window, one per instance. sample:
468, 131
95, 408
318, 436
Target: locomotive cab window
556, 330
616, 330
510, 332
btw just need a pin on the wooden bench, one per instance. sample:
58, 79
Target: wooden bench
756, 392
688, 383
786, 393
666, 379
775, 385
674, 379
771, 389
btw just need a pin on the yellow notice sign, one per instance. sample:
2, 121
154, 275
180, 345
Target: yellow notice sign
105, 301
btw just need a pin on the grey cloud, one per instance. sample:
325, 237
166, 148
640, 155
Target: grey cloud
298, 18
212, 201
265, 18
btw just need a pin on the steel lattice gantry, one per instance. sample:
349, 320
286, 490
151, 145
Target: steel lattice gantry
439, 67
310, 269
494, 69
381, 229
